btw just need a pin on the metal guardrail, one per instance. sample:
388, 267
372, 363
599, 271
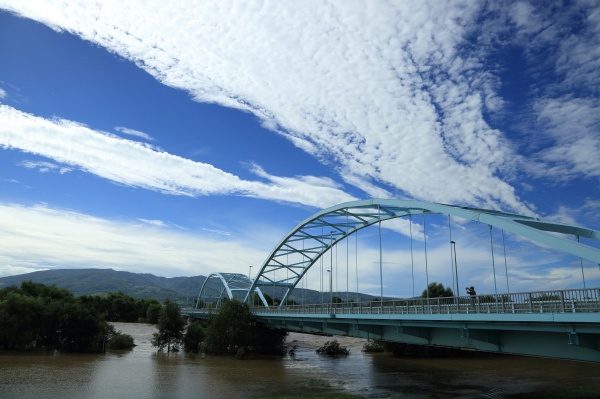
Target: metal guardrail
561, 301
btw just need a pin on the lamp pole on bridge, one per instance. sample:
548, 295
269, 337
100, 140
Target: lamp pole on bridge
249, 293
453, 244
330, 288
331, 272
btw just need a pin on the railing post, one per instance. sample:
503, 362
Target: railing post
530, 302
562, 302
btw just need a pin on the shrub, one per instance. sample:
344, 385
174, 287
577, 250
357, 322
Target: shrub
121, 341
373, 346
333, 348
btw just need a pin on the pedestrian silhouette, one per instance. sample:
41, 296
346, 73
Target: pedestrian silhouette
472, 293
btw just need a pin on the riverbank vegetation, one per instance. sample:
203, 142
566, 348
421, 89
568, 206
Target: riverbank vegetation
36, 316
116, 306
231, 330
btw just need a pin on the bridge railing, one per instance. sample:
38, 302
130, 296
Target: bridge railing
558, 301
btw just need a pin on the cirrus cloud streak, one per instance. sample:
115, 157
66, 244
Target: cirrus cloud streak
135, 164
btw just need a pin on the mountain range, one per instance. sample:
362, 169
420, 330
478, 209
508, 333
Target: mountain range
103, 281
145, 285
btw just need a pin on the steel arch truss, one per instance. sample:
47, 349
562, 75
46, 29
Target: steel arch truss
225, 285
308, 241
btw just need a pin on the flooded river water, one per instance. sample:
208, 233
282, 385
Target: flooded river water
144, 373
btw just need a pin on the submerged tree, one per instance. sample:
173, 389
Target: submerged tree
232, 331
194, 335
229, 330
170, 327
40, 316
333, 348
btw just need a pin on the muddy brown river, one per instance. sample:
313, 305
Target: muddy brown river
144, 373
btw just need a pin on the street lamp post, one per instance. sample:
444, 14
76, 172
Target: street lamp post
250, 293
331, 273
453, 243
330, 289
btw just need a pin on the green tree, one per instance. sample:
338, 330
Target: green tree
36, 316
170, 327
437, 290
229, 330
194, 335
143, 305
80, 330
153, 313
20, 321
98, 303
123, 307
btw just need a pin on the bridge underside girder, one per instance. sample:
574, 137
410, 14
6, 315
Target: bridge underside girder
552, 340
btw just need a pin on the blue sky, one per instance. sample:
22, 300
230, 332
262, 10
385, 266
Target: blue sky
186, 138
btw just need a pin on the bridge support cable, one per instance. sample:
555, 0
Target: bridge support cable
321, 272
412, 258
356, 263
454, 282
425, 246
346, 219
581, 263
505, 263
380, 259
347, 262
493, 261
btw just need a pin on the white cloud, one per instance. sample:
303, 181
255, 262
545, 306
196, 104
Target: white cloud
136, 164
157, 223
133, 132
45, 167
572, 124
562, 47
41, 237
379, 89
3, 94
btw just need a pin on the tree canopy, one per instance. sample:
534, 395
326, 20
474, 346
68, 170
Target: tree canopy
170, 327
39, 316
437, 290
231, 330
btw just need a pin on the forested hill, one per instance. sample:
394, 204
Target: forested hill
183, 289
103, 281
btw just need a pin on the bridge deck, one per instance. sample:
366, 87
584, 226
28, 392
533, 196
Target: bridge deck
562, 301
560, 324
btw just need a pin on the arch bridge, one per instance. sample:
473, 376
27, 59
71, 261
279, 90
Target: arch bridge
562, 324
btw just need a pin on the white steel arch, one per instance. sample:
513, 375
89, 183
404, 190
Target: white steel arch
225, 285
310, 239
